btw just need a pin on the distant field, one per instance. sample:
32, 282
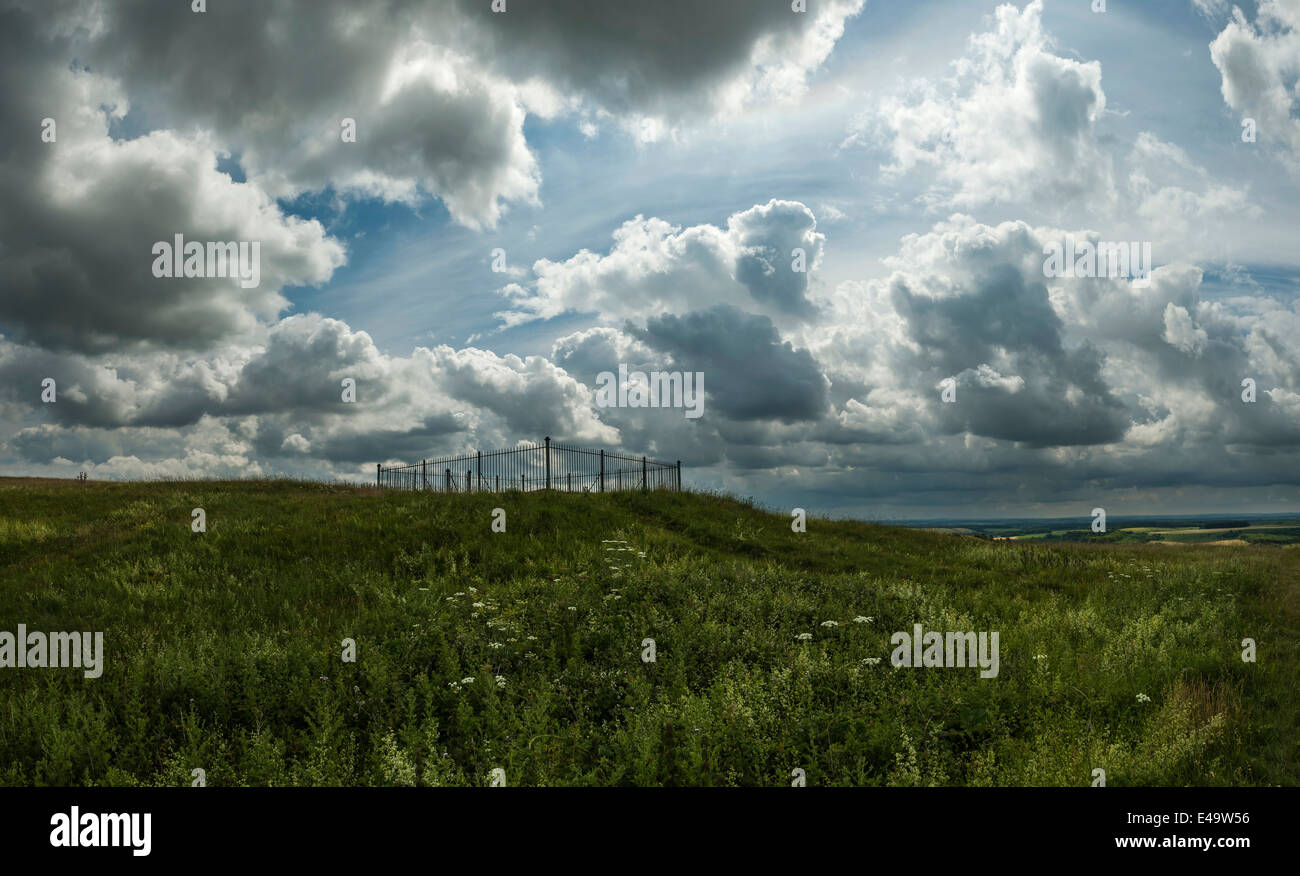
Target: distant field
1274, 534
523, 650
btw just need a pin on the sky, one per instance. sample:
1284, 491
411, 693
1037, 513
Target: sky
838, 217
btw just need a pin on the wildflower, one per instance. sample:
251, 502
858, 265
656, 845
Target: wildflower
478, 605
830, 623
469, 679
1143, 698
1040, 656
862, 619
495, 645
501, 681
871, 660
803, 637
573, 608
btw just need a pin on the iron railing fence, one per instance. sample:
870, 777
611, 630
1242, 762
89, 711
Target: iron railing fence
545, 466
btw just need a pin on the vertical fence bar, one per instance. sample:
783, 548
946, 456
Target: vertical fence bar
602, 471
548, 462
379, 469
480, 469
679, 475
447, 482
643, 473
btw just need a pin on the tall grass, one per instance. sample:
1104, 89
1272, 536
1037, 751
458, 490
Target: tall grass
224, 648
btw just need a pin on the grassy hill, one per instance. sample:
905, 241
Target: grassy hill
223, 648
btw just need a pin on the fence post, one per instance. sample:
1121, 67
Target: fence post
379, 467
602, 470
643, 473
447, 482
480, 469
569, 488
498, 483
522, 488
424, 474
468, 487
548, 462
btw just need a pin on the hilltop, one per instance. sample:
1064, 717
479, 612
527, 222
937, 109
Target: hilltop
523, 650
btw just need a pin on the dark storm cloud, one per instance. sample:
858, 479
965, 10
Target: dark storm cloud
661, 58
749, 372
1000, 339
83, 212
45, 443
274, 81
362, 445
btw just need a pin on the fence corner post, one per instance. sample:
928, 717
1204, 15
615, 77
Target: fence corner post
379, 467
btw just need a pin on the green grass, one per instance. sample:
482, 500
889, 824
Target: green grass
224, 648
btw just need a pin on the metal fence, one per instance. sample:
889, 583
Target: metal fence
545, 466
